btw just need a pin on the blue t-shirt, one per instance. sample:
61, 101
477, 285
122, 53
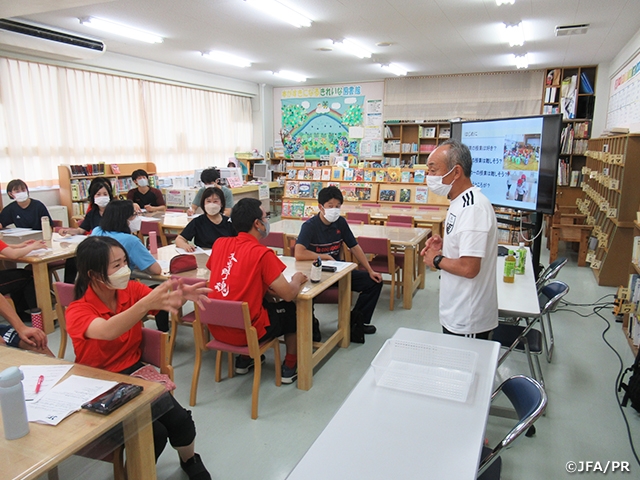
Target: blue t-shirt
139, 256
317, 237
30, 217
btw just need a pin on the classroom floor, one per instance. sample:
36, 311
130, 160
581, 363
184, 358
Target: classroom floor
583, 421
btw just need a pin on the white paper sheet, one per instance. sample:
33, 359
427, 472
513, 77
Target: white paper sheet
182, 251
65, 398
69, 238
39, 251
51, 373
16, 232
333, 263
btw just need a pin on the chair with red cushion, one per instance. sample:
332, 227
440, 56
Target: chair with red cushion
406, 219
277, 240
231, 314
358, 217
384, 261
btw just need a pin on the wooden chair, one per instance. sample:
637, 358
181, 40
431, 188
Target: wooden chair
359, 217
370, 205
407, 220
568, 226
231, 314
53, 267
277, 240
146, 228
384, 261
64, 296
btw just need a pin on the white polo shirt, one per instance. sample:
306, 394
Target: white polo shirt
470, 305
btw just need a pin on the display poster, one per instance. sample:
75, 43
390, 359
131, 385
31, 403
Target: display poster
624, 97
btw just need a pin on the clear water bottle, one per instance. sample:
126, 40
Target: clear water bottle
14, 410
46, 228
316, 271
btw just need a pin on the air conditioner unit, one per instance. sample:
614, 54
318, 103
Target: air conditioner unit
562, 30
39, 40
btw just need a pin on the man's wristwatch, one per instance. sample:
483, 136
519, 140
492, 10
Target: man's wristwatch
436, 261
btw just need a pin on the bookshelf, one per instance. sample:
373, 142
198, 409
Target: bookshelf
386, 186
74, 185
570, 91
631, 322
408, 144
611, 199
508, 229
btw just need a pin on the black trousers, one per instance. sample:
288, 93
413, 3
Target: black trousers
18, 283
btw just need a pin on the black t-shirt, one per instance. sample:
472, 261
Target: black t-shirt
206, 232
317, 237
30, 217
153, 197
91, 219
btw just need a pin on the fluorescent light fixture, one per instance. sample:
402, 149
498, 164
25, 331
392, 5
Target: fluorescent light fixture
278, 10
227, 58
515, 34
353, 48
121, 30
296, 77
521, 61
395, 69
505, 2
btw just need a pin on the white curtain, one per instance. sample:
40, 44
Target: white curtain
469, 96
52, 115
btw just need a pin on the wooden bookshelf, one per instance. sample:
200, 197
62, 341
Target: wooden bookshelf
576, 130
630, 322
611, 199
76, 203
407, 144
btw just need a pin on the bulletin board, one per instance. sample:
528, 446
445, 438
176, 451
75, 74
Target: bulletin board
624, 96
315, 121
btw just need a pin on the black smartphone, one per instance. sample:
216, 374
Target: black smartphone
328, 268
113, 398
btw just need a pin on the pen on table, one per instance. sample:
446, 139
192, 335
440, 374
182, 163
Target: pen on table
39, 384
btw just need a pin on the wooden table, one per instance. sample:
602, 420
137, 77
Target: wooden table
411, 239
432, 218
41, 278
46, 446
380, 433
307, 357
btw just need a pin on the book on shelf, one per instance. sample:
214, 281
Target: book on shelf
300, 175
368, 175
387, 195
315, 189
381, 175
427, 147
358, 174
405, 195
297, 208
422, 194
445, 132
418, 176
310, 210
349, 192
553, 77
585, 84
363, 192
348, 174
405, 176
635, 252
317, 174
336, 173
566, 139
563, 172
426, 132
291, 189
394, 174
304, 190
550, 109
575, 178
326, 174
115, 169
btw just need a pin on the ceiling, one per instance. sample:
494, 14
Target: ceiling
427, 37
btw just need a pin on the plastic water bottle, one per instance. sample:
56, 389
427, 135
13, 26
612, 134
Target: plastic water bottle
316, 271
521, 259
46, 228
509, 268
14, 410
153, 242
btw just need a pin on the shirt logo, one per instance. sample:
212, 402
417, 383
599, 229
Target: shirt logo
451, 221
222, 285
467, 199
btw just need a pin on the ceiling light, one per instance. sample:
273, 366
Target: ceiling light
395, 69
515, 34
521, 61
227, 58
296, 77
505, 2
119, 29
278, 10
353, 48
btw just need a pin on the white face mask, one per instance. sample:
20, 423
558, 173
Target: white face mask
120, 279
135, 224
21, 196
212, 208
101, 201
143, 182
434, 182
331, 214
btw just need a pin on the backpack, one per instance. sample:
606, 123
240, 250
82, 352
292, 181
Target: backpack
632, 388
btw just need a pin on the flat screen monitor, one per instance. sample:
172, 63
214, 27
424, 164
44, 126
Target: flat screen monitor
261, 172
515, 160
227, 172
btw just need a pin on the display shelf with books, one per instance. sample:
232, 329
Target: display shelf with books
409, 143
631, 306
74, 184
611, 198
570, 91
508, 232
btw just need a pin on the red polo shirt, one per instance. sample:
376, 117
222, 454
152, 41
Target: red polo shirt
242, 270
113, 355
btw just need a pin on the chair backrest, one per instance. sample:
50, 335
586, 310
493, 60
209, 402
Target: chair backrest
359, 217
398, 224
375, 246
529, 401
64, 296
407, 219
274, 239
400, 206
155, 348
371, 205
64, 293
550, 272
147, 227
224, 313
550, 295
57, 223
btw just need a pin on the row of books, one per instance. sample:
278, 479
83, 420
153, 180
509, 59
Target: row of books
580, 147
379, 175
550, 109
566, 139
568, 177
352, 192
633, 328
88, 169
391, 146
635, 253
426, 132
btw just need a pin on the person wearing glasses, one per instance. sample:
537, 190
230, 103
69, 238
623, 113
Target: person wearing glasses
242, 269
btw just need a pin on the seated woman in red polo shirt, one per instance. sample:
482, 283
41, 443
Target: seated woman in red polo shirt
104, 323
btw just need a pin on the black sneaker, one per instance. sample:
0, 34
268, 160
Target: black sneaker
245, 363
195, 469
317, 337
369, 329
289, 374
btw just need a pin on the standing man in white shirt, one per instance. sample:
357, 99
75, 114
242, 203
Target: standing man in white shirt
467, 255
